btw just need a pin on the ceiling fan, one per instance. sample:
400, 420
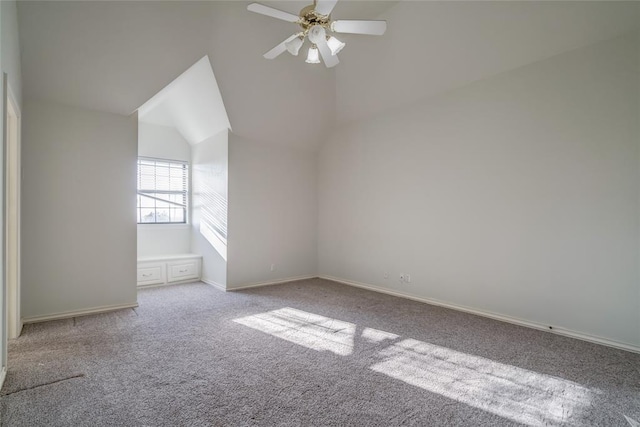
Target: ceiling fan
315, 21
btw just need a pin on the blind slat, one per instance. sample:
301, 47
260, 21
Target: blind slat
162, 191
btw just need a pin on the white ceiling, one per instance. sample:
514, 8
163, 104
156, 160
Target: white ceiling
108, 56
431, 47
191, 103
350, 9
114, 56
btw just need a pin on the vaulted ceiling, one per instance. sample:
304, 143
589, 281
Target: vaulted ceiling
114, 56
434, 46
192, 104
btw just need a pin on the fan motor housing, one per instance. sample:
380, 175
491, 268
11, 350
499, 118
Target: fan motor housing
309, 17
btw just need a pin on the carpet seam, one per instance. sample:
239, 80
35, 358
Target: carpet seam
45, 384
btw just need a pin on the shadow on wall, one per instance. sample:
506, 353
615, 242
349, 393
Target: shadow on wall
213, 205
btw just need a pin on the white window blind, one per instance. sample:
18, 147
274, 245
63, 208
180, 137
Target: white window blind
162, 191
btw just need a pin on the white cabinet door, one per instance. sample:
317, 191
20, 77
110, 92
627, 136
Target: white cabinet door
183, 270
151, 274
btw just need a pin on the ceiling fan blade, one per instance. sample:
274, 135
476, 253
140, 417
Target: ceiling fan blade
324, 7
274, 13
276, 51
329, 59
374, 28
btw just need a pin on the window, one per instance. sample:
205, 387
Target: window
162, 191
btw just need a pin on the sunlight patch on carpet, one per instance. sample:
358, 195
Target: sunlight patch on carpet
306, 329
632, 422
377, 336
518, 394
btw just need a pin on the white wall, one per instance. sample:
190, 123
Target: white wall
210, 169
163, 239
163, 142
272, 212
517, 195
78, 209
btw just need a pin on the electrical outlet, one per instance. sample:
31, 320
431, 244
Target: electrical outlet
401, 277
386, 275
407, 278
273, 267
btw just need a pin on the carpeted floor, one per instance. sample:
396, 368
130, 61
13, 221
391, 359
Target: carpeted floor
308, 353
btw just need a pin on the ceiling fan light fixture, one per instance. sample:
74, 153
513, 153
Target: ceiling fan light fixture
317, 25
293, 46
335, 45
316, 34
312, 56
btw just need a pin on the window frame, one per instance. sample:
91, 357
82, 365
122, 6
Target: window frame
186, 192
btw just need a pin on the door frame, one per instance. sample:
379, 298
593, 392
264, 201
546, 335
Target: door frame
12, 181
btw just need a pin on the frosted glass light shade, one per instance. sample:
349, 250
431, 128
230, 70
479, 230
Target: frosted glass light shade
293, 46
316, 34
312, 56
335, 45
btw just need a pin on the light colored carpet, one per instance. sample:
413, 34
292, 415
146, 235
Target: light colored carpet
307, 353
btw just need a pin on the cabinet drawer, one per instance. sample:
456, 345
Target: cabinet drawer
183, 271
149, 275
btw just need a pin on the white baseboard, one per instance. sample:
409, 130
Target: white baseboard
158, 285
214, 284
491, 315
3, 375
76, 313
272, 282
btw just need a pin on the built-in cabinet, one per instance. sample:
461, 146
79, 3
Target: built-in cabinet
169, 269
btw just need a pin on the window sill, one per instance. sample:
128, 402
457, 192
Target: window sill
163, 226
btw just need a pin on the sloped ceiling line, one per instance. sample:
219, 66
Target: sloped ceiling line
192, 104
112, 56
